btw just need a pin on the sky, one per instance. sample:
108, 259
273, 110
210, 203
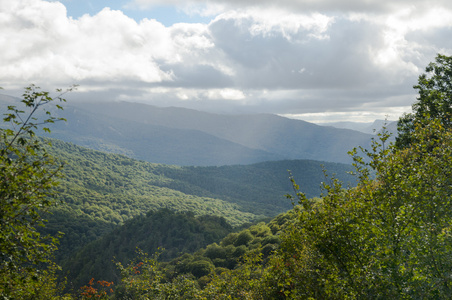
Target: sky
315, 60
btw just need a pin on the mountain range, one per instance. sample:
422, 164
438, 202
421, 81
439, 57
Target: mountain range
365, 127
185, 137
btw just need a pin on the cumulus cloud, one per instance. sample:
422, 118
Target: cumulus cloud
43, 43
346, 6
300, 58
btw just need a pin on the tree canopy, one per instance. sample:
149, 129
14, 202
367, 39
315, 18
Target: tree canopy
434, 101
27, 178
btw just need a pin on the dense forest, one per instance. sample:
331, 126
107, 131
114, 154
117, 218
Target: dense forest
385, 236
100, 191
162, 230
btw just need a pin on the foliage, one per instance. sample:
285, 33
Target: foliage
386, 238
247, 281
204, 274
434, 101
259, 240
27, 180
176, 232
101, 191
101, 292
144, 279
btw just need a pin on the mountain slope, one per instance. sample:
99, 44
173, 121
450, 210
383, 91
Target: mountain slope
188, 137
173, 233
292, 139
370, 128
102, 190
153, 143
259, 187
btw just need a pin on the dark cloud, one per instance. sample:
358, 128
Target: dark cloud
434, 40
341, 59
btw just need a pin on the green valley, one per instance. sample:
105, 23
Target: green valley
100, 191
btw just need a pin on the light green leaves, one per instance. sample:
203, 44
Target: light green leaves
27, 178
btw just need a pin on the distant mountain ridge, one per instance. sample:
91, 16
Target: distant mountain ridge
153, 143
369, 127
188, 137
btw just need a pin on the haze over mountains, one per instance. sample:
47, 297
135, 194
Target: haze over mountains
187, 137
368, 127
181, 136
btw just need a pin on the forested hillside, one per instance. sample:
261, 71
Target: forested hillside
163, 230
100, 191
194, 246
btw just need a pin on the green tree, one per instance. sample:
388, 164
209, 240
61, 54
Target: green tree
434, 100
27, 178
247, 281
388, 238
143, 278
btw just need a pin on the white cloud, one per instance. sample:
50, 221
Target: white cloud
44, 45
361, 116
302, 57
228, 94
346, 6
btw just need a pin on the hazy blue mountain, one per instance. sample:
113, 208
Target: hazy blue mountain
188, 137
153, 143
228, 139
365, 127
